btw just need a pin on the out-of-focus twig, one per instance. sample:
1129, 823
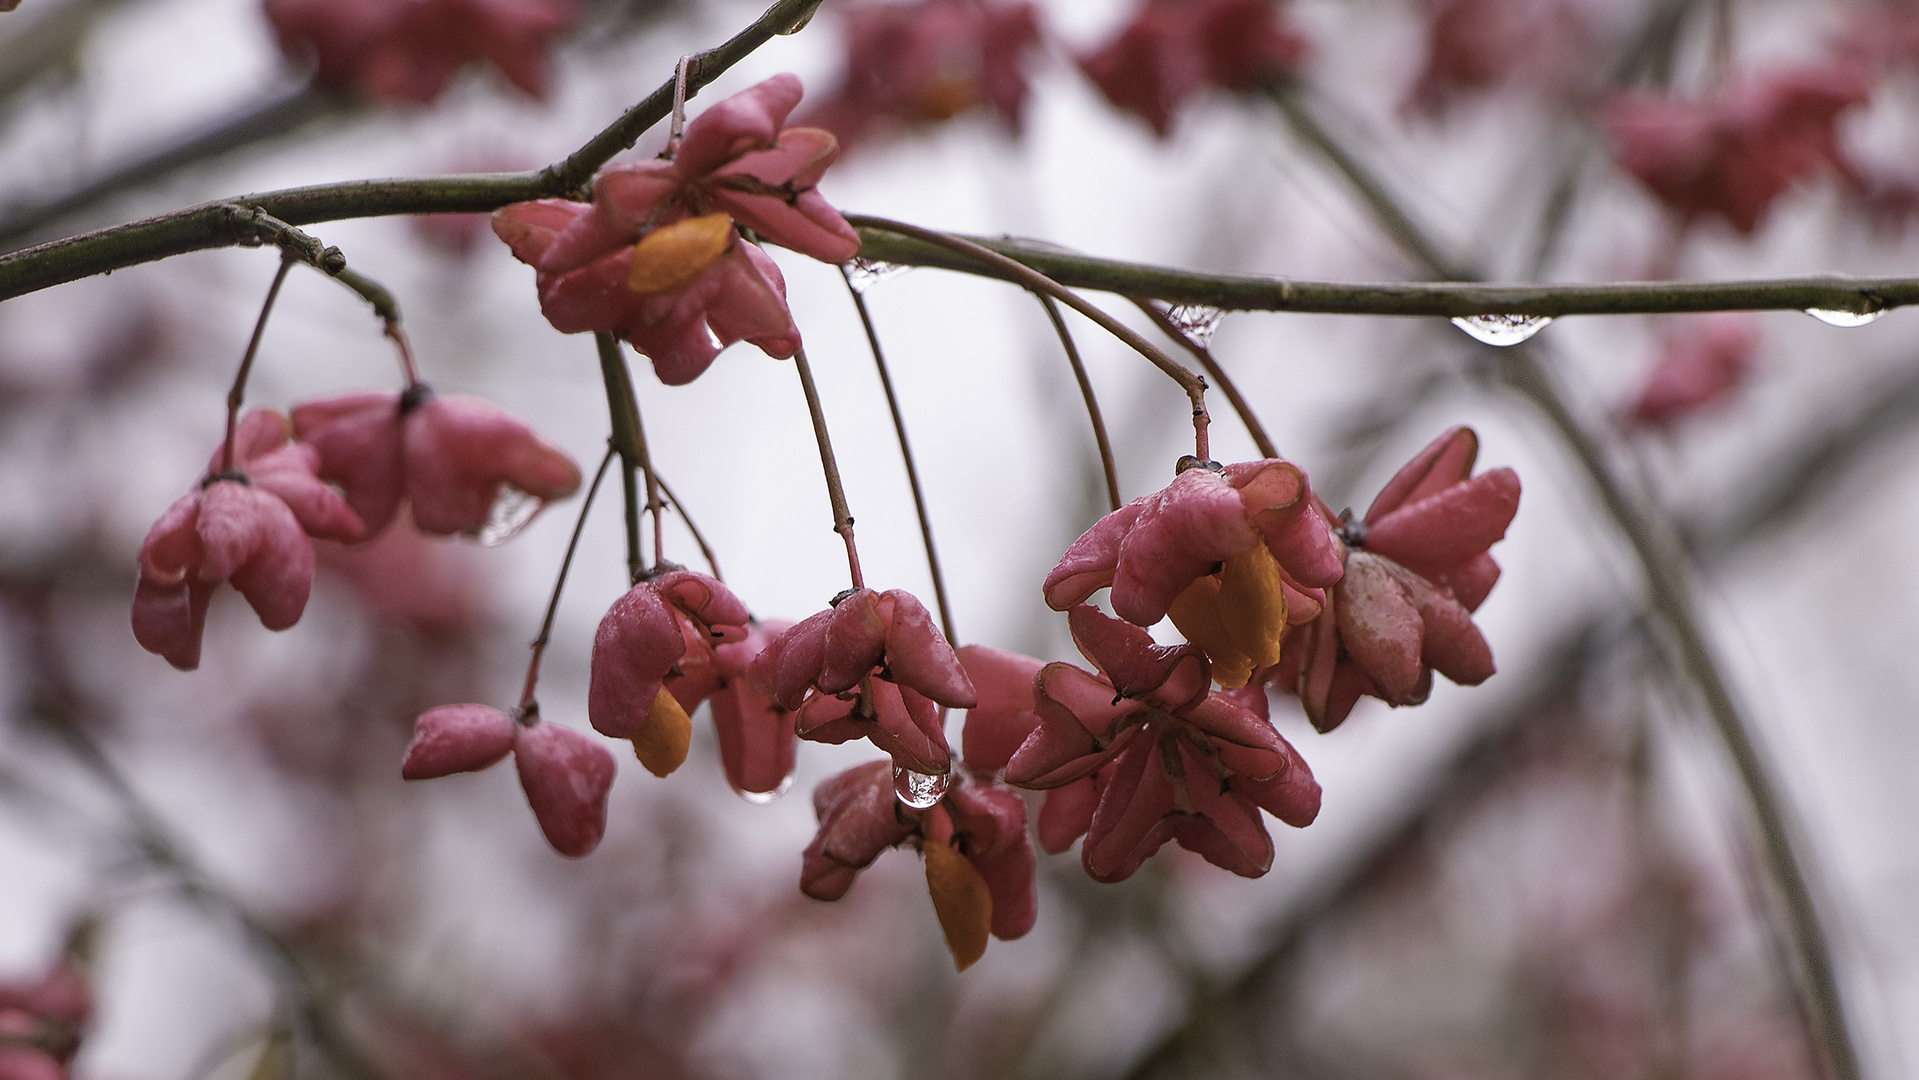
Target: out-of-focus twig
47, 43
61, 710
54, 41
1413, 238
1669, 597
1791, 489
206, 226
1211, 1001
285, 115
1659, 25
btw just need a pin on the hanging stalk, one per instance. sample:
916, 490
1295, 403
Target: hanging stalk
559, 583
1193, 385
906, 456
835, 491
1214, 372
699, 538
624, 417
237, 394
1093, 414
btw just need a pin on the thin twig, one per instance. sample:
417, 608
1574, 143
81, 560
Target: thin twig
835, 492
219, 224
706, 551
624, 419
701, 69
1086, 394
278, 118
678, 124
373, 293
298, 246
404, 348
57, 705
906, 456
222, 223
1204, 355
237, 394
1192, 384
1415, 240
646, 469
254, 225
553, 603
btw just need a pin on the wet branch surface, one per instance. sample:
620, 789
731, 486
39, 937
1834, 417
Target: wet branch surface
1445, 299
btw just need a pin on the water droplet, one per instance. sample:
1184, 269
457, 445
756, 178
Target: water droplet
1502, 330
799, 24
511, 510
918, 790
866, 273
1835, 317
1196, 321
761, 798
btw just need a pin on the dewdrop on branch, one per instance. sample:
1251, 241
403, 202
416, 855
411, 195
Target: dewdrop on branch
1502, 330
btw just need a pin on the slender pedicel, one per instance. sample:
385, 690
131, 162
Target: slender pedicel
238, 393
1194, 386
1086, 394
553, 602
906, 455
835, 493
1214, 372
699, 538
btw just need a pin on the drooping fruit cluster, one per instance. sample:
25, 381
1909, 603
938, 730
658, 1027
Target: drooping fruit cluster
656, 258
459, 461
1158, 743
